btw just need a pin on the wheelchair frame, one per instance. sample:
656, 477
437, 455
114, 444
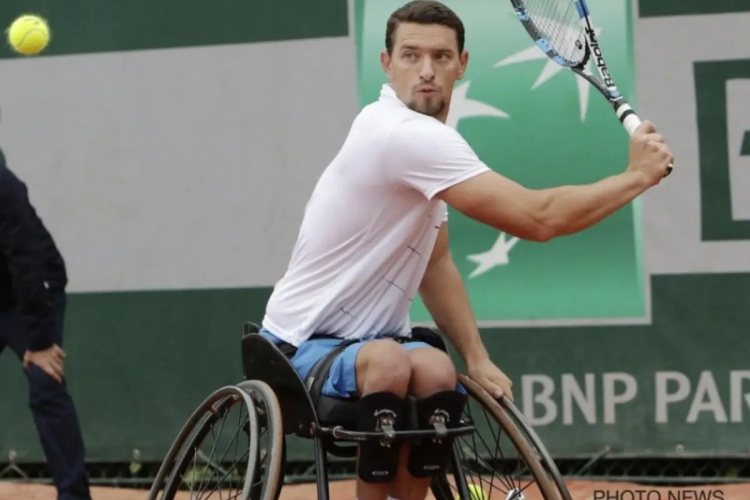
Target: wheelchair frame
264, 362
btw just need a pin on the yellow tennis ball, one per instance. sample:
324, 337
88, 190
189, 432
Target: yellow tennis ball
476, 492
29, 34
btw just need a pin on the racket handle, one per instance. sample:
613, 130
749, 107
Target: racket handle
631, 122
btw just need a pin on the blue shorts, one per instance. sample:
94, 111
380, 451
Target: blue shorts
342, 379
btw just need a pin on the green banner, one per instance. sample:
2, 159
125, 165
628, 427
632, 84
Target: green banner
512, 100
681, 383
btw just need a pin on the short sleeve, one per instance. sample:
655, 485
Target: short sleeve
430, 157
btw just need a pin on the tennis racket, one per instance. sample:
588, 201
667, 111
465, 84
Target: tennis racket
563, 30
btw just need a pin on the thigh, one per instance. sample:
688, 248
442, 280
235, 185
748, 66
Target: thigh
425, 357
432, 367
310, 352
373, 357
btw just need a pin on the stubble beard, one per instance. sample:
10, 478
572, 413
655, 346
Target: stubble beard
428, 106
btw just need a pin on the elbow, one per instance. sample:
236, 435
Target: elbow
539, 231
542, 233
545, 225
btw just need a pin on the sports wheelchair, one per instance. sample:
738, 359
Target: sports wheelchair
273, 402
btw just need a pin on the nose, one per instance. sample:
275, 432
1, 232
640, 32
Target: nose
426, 71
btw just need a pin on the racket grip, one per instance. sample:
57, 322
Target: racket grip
631, 123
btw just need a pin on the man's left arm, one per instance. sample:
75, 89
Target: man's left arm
444, 295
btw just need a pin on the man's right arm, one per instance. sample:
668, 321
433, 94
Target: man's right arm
540, 215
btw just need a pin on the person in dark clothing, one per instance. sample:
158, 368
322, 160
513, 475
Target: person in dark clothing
33, 278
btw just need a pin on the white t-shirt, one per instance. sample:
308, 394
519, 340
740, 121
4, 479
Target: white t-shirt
370, 226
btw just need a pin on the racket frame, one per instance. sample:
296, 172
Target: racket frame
605, 84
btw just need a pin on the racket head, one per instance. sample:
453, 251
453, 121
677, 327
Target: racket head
562, 30
556, 28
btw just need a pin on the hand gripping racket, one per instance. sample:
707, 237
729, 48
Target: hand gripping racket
563, 30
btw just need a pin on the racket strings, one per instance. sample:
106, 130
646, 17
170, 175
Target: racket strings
558, 21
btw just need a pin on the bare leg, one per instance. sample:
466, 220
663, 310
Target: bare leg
382, 365
432, 371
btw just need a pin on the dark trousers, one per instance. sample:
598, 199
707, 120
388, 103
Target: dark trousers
52, 409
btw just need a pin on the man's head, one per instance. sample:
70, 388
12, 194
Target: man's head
424, 55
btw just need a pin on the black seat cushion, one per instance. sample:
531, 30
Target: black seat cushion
333, 412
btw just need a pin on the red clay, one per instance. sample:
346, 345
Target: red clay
344, 490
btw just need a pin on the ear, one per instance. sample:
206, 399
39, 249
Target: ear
385, 61
464, 62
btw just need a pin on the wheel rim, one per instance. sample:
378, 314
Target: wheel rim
497, 458
217, 454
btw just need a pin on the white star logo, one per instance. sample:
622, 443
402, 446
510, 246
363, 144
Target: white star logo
463, 107
495, 256
534, 53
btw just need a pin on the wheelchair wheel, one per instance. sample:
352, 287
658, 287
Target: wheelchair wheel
539, 448
519, 469
210, 456
270, 460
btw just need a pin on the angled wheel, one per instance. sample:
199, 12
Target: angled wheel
222, 448
271, 450
503, 458
541, 451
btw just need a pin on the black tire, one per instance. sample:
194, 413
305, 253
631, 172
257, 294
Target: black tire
270, 466
171, 475
441, 487
547, 462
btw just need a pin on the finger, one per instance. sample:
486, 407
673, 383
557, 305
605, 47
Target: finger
507, 388
655, 145
509, 395
60, 371
56, 365
495, 390
646, 127
666, 153
49, 370
658, 138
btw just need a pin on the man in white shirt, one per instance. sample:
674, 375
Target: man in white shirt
375, 233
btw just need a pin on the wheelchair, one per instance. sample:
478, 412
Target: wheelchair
273, 402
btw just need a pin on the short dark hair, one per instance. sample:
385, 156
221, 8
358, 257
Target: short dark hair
424, 12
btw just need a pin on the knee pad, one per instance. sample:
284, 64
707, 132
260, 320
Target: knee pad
441, 411
378, 459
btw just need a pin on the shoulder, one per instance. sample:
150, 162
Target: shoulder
423, 137
13, 194
417, 126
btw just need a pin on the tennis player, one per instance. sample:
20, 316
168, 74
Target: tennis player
375, 232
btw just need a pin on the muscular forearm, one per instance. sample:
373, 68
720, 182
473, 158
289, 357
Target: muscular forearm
443, 293
570, 209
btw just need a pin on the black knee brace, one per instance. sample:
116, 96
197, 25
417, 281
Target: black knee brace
440, 411
378, 459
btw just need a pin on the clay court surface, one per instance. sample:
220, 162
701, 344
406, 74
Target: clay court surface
344, 490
